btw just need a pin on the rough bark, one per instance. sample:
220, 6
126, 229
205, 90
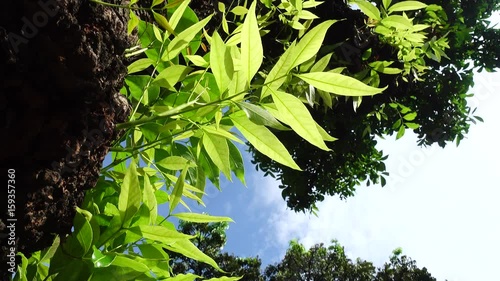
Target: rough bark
61, 67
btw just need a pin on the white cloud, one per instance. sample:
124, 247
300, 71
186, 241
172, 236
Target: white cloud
440, 206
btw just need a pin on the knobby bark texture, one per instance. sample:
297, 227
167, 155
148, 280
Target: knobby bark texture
61, 65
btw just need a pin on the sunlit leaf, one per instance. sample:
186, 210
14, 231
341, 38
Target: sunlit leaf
406, 6
252, 53
201, 218
130, 195
263, 140
296, 115
339, 84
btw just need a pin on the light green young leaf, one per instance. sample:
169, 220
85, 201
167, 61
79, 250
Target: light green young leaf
182, 40
221, 132
252, 53
239, 10
311, 4
176, 194
171, 76
263, 140
368, 9
310, 44
278, 73
401, 132
139, 65
296, 115
156, 3
322, 63
198, 60
133, 22
150, 199
386, 3
175, 163
221, 62
339, 84
201, 218
130, 195
324, 134
188, 249
406, 6
236, 161
177, 15
217, 149
398, 22
159, 233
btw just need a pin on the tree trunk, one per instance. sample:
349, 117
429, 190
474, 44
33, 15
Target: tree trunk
61, 64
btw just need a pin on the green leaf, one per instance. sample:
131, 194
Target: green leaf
188, 249
133, 22
410, 116
263, 140
182, 40
412, 125
324, 134
150, 199
322, 63
198, 60
406, 6
47, 254
339, 84
221, 62
161, 196
260, 116
236, 161
101, 260
386, 3
239, 10
217, 149
178, 13
310, 44
175, 163
163, 22
130, 195
176, 195
401, 132
252, 53
156, 3
201, 218
171, 76
80, 241
295, 114
397, 21
368, 9
75, 270
278, 73
159, 233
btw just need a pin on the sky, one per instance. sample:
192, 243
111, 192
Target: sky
439, 205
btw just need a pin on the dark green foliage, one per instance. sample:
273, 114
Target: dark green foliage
321, 263
211, 238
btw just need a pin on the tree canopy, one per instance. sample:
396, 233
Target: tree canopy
318, 263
